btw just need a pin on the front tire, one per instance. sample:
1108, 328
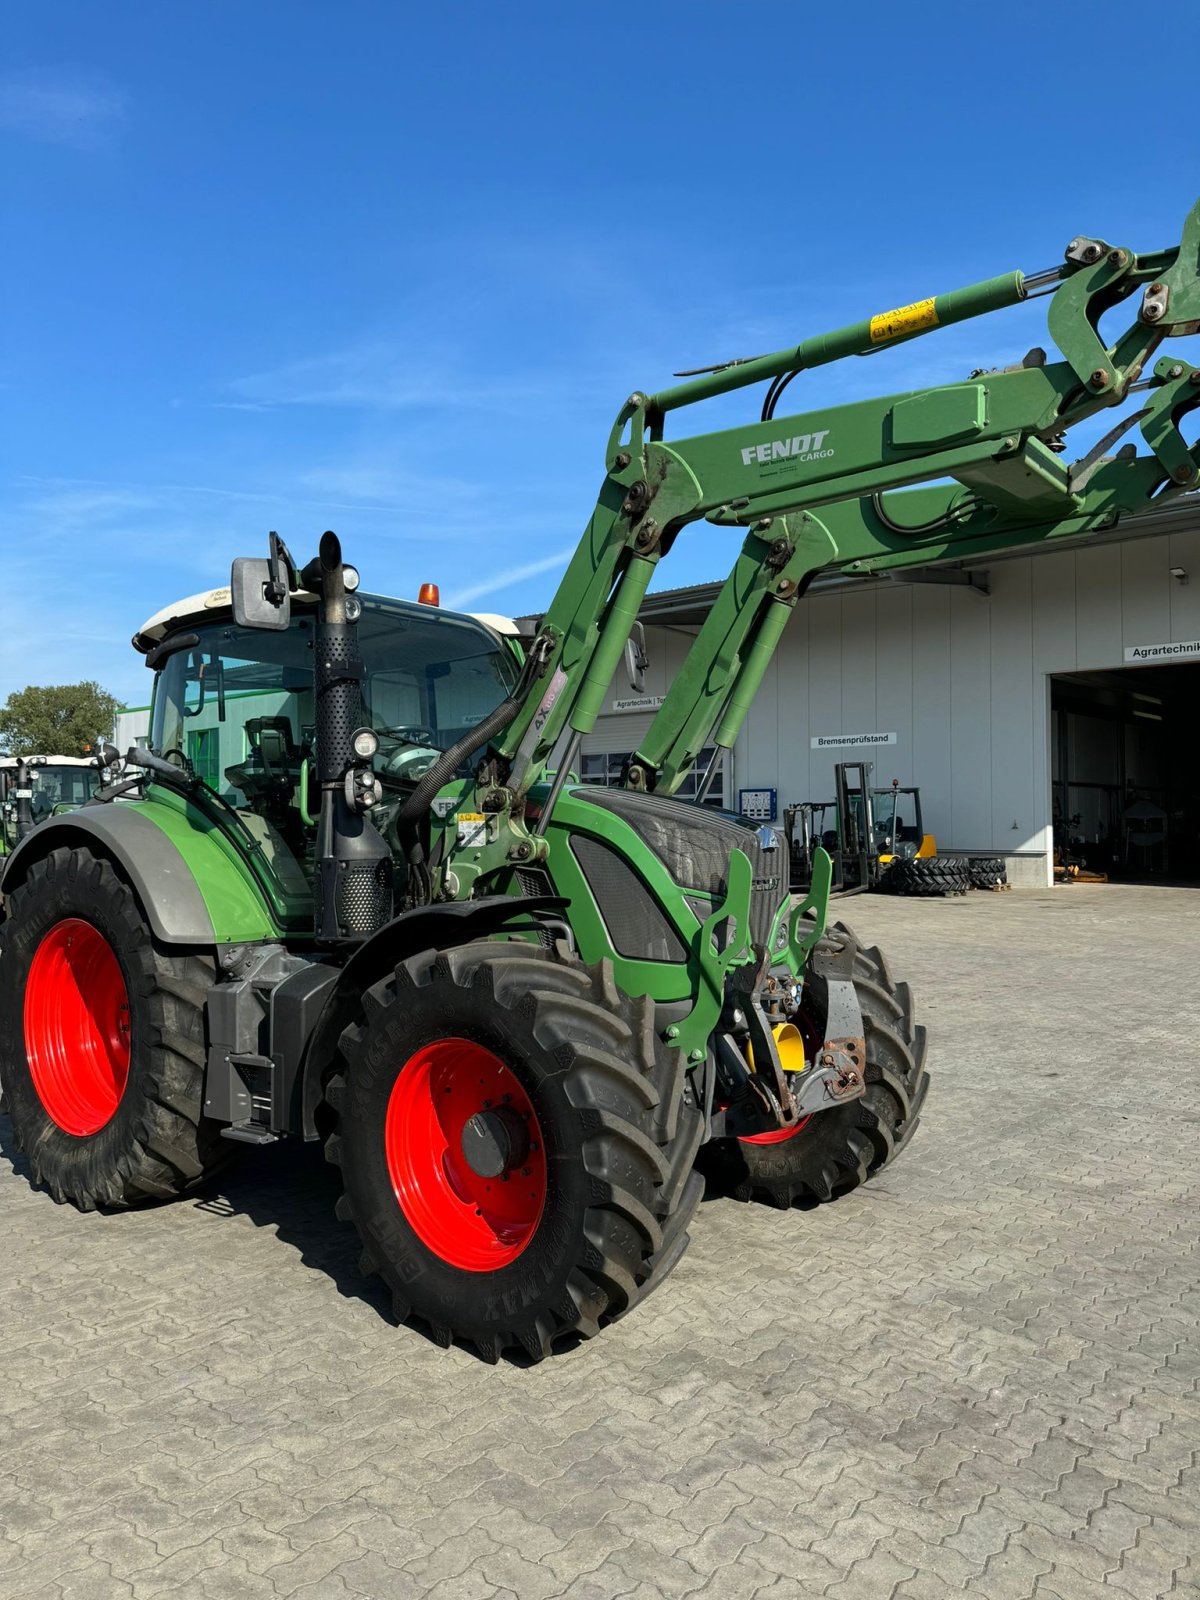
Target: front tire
834, 1151
516, 1145
101, 1040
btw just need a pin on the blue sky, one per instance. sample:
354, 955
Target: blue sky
392, 269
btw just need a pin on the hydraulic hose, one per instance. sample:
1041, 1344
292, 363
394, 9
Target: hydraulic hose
448, 763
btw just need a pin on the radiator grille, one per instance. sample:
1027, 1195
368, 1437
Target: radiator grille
695, 843
636, 923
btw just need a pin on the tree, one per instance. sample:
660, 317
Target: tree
56, 720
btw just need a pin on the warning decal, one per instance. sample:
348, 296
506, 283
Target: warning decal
905, 319
472, 828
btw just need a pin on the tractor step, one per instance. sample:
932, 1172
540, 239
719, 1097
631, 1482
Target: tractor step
249, 1133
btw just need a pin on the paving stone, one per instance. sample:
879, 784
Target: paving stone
979, 1375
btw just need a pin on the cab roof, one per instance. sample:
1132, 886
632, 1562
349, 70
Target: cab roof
218, 603
47, 761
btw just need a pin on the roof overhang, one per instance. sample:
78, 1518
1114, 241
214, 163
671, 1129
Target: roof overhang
688, 607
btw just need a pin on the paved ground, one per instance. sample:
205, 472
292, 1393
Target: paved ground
978, 1374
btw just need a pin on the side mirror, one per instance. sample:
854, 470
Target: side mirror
636, 659
260, 600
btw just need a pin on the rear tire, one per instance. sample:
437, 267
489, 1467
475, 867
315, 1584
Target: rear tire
834, 1151
927, 876
102, 1040
587, 1216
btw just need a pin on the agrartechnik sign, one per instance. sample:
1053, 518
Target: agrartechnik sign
1142, 654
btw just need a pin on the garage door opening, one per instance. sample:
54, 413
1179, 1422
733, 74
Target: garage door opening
1125, 764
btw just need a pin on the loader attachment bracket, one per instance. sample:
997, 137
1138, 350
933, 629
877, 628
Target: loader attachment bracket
693, 1033
800, 923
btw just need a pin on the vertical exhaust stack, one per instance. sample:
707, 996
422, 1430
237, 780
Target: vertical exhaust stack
354, 865
23, 795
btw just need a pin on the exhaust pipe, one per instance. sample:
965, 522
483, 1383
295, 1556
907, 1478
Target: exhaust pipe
23, 795
354, 865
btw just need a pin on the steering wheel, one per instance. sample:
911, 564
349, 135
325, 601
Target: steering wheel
415, 752
409, 763
409, 733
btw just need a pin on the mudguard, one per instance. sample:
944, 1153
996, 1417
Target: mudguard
436, 927
203, 898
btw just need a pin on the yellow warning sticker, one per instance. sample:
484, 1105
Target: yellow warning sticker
905, 319
471, 828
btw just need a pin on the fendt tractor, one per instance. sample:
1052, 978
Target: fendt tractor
34, 787
353, 892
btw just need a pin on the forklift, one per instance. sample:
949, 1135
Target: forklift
876, 842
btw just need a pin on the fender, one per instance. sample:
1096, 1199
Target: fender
201, 899
294, 1038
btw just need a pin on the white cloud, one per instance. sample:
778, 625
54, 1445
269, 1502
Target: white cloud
382, 375
499, 581
59, 109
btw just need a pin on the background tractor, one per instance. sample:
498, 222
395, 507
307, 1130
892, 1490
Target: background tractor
354, 893
33, 788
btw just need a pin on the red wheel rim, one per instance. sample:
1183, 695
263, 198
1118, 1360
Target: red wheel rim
470, 1220
77, 1027
776, 1135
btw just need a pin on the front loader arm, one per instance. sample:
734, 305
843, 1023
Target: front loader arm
988, 508
848, 488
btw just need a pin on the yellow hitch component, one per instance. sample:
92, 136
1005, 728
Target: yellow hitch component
928, 848
790, 1046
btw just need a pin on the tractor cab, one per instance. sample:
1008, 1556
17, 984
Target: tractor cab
899, 832
234, 707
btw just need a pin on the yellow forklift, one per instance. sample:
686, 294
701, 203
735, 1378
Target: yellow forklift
876, 837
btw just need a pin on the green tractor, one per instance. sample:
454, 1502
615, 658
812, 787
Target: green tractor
353, 891
33, 788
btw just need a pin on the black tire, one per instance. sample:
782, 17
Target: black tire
839, 1149
615, 1110
155, 1144
987, 872
927, 877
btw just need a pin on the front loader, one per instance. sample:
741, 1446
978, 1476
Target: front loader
353, 892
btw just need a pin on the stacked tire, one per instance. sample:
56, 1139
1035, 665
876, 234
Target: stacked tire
987, 872
928, 877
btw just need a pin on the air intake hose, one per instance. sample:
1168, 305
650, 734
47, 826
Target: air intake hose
446, 765
495, 722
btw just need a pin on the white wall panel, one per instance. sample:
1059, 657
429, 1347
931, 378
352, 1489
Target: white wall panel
1183, 550
1097, 607
970, 719
1014, 811
931, 704
1146, 591
894, 679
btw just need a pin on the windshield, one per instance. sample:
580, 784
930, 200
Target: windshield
238, 707
900, 804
